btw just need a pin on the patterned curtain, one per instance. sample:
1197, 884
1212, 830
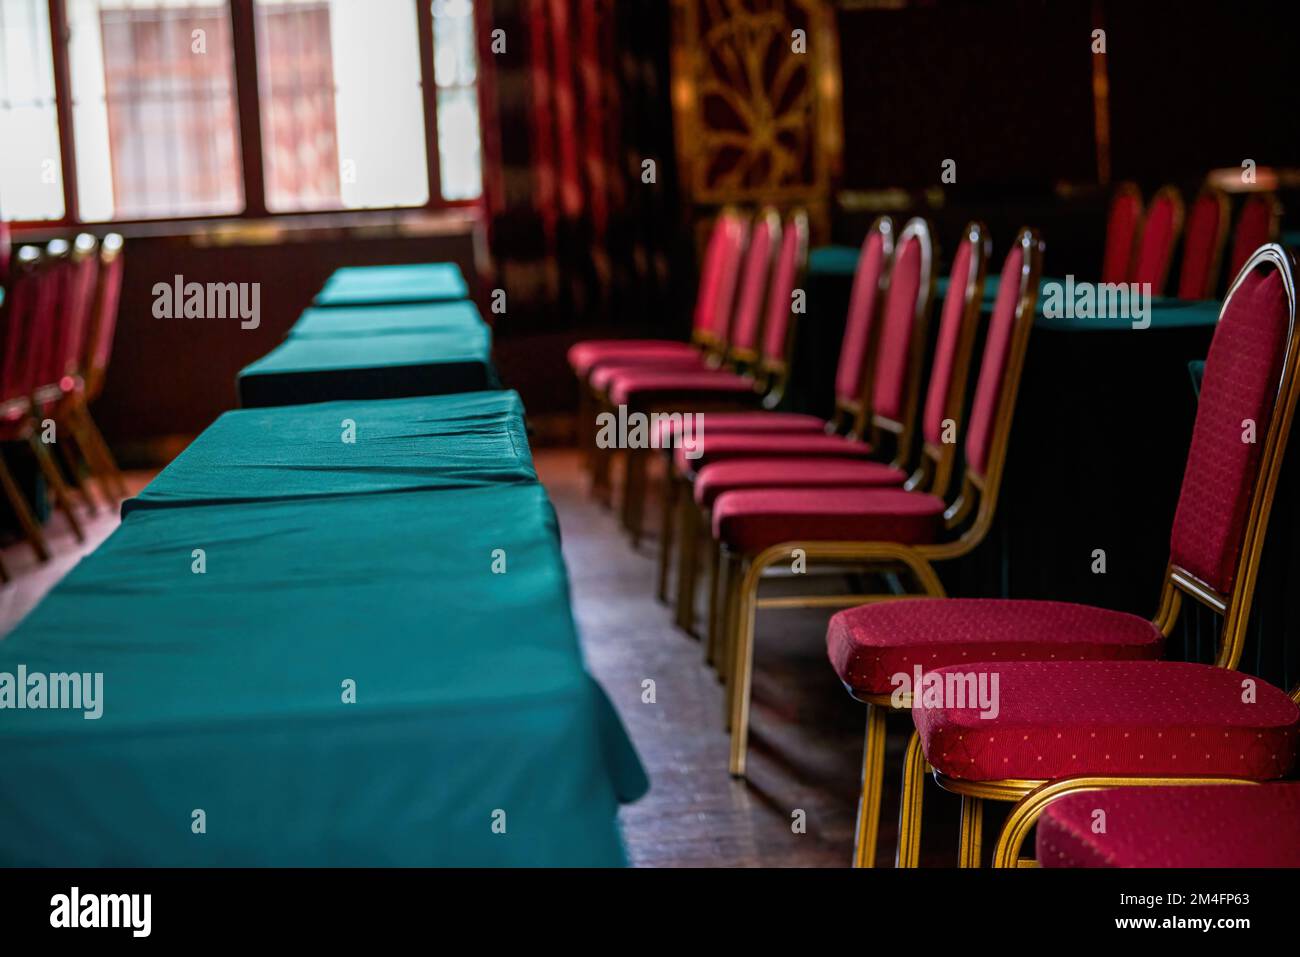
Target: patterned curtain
579, 102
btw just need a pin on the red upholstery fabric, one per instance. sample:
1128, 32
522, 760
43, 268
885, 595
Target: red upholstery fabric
1057, 719
993, 364
1254, 228
584, 356
736, 445
944, 365
780, 302
750, 521
606, 372
722, 240
747, 325
748, 422
1199, 241
637, 386
1157, 245
5, 247
1241, 378
870, 644
863, 302
1213, 825
896, 339
1121, 224
99, 339
778, 473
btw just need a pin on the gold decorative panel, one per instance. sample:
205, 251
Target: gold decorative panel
756, 94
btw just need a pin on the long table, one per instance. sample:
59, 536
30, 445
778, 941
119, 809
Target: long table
412, 282
322, 652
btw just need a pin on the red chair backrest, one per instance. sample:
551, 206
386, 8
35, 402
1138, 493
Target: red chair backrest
952, 345
747, 327
791, 259
79, 305
22, 293
707, 325
103, 321
1121, 231
1256, 225
904, 312
1240, 392
1207, 227
4, 250
869, 282
995, 389
1164, 221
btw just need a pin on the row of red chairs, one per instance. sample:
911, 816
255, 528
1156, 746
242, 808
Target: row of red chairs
1079, 711
1141, 242
56, 335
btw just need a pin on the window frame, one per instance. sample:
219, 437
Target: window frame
248, 119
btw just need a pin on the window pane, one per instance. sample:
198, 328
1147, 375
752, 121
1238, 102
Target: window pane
153, 108
456, 72
31, 175
342, 115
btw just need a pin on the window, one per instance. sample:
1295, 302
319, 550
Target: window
341, 104
31, 176
153, 108
455, 65
155, 101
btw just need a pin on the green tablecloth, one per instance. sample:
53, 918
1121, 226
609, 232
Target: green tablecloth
223, 693
353, 321
415, 282
429, 362
468, 440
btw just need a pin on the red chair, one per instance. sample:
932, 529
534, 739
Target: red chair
1218, 825
88, 383
5, 250
1257, 224
1069, 725
761, 344
1207, 230
1121, 233
852, 384
1159, 235
882, 528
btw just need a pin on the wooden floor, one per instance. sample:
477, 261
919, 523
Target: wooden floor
806, 738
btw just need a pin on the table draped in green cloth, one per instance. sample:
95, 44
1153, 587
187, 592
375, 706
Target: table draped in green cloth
413, 282
326, 654
354, 321
467, 440
429, 361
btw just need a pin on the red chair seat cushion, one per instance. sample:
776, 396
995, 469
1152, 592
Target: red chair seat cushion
1056, 719
749, 421
734, 474
870, 644
735, 445
583, 356
604, 372
1211, 825
643, 386
752, 520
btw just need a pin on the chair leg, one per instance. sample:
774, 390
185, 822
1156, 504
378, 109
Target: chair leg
101, 458
909, 815
972, 831
717, 590
741, 672
725, 654
667, 525
60, 489
586, 436
70, 460
873, 774
4, 572
688, 549
31, 528
634, 493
